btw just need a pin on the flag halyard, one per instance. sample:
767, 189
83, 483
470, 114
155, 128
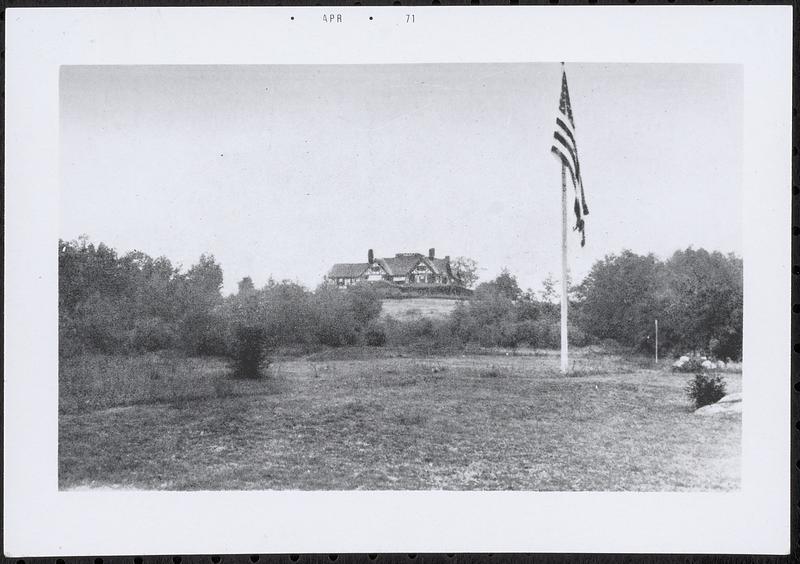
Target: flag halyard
566, 149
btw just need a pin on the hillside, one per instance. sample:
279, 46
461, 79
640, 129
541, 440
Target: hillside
412, 308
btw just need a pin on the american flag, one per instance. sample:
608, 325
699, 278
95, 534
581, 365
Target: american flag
566, 149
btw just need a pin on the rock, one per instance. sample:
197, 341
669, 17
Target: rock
732, 403
677, 364
730, 398
683, 359
720, 364
715, 408
708, 365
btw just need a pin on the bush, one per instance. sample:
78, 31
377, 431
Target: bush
375, 335
364, 302
413, 331
334, 323
152, 334
99, 325
493, 372
547, 333
249, 351
705, 389
689, 364
578, 337
204, 334
69, 342
693, 363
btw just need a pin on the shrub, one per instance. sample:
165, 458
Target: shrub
284, 309
364, 302
413, 331
69, 343
508, 334
578, 337
546, 333
333, 321
249, 354
375, 335
152, 334
204, 334
694, 363
689, 364
493, 372
705, 389
99, 325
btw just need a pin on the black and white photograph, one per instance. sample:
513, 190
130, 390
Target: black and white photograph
352, 277
398, 279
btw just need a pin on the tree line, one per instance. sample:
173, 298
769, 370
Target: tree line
111, 303
695, 295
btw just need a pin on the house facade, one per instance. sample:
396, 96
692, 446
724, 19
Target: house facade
402, 269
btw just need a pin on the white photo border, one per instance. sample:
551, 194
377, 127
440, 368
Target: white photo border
39, 520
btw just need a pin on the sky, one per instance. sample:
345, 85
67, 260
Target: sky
283, 170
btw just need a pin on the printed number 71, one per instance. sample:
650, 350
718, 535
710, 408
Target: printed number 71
409, 18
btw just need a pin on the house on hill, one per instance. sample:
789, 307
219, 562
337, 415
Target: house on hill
401, 269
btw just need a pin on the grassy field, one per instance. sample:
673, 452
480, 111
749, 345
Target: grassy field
385, 419
412, 308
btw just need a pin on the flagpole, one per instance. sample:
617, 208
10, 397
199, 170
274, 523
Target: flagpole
656, 341
564, 302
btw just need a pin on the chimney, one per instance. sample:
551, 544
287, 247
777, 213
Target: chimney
431, 253
370, 256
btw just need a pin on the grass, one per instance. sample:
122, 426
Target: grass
407, 309
382, 419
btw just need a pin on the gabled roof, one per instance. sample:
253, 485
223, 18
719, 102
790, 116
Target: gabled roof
348, 270
440, 266
399, 265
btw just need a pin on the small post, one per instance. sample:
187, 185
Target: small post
564, 298
656, 341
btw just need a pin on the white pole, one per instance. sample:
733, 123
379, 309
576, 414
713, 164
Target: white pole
656, 341
564, 298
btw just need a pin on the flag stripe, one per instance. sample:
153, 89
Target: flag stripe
573, 155
571, 147
567, 162
567, 130
566, 148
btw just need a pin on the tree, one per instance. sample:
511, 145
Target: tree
287, 312
248, 349
504, 285
246, 285
507, 285
333, 321
549, 292
703, 294
466, 270
365, 303
200, 300
205, 278
620, 298
695, 295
